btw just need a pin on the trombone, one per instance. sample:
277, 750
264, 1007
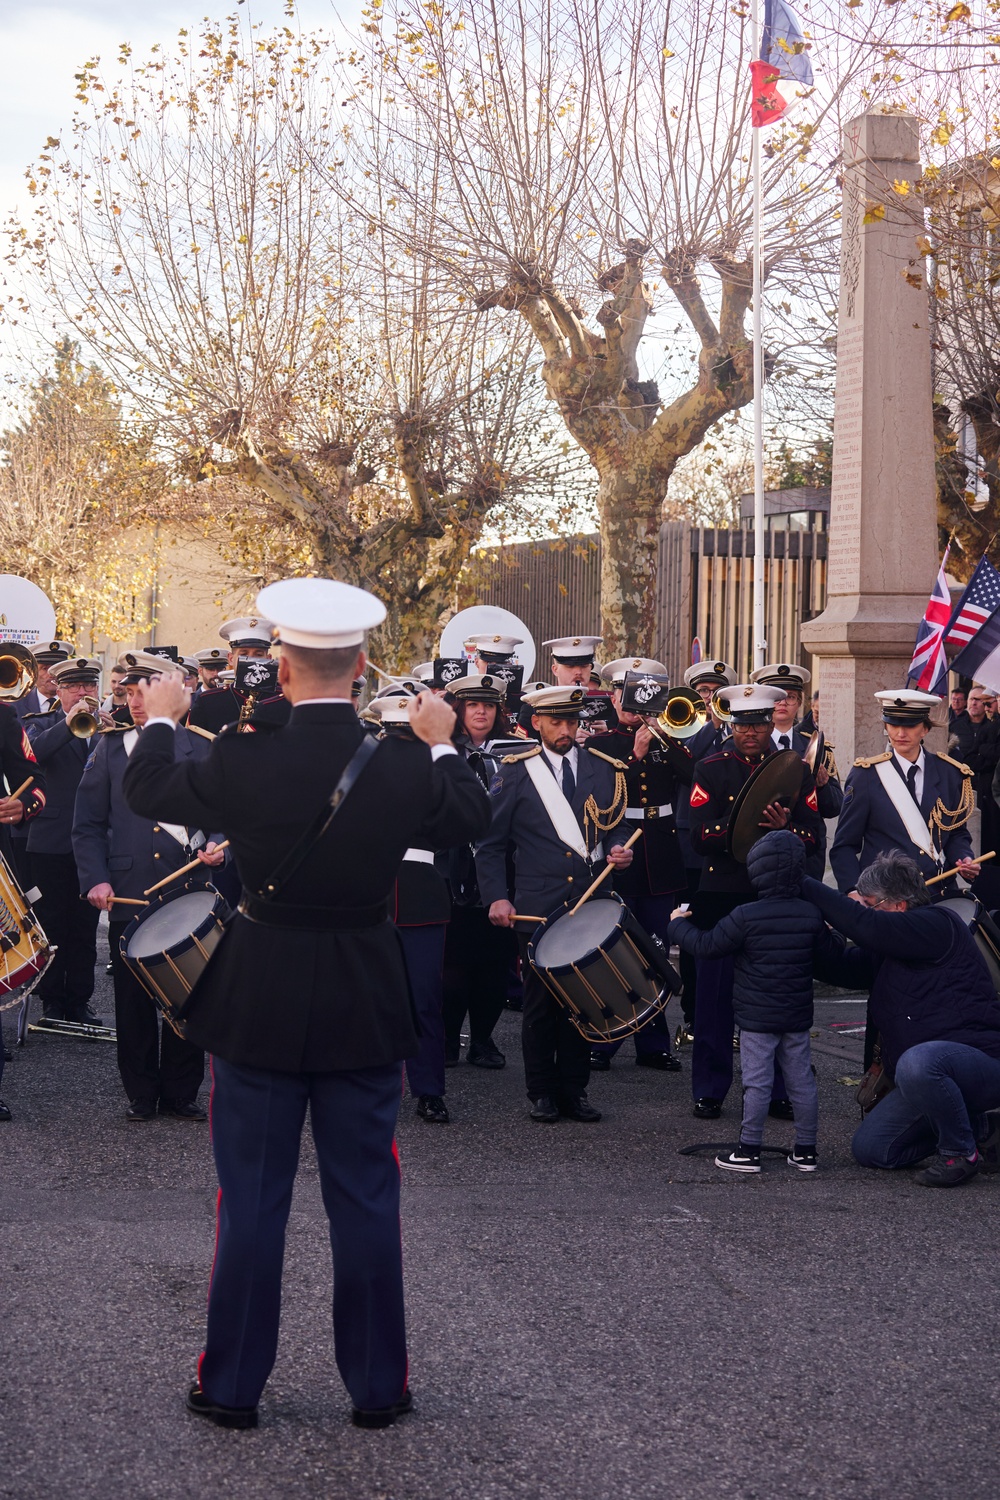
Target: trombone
683, 717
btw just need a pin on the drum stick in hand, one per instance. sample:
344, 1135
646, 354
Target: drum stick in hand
522, 918
603, 875
947, 874
184, 870
22, 788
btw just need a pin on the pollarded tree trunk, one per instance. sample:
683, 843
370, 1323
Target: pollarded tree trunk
629, 502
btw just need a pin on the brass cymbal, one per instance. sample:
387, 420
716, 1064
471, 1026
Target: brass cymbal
777, 779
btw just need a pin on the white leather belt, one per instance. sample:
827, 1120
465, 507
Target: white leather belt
419, 856
638, 814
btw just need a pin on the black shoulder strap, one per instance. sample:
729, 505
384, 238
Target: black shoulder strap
321, 822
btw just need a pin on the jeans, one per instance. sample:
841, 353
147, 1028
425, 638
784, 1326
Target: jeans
942, 1091
759, 1051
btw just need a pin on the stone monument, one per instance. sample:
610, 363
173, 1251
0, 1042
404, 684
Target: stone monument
883, 515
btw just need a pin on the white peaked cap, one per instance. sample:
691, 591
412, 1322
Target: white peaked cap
320, 614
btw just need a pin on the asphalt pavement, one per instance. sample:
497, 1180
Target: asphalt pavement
591, 1314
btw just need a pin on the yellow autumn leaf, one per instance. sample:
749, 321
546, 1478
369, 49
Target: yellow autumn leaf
873, 213
901, 186
942, 134
924, 245
912, 280
959, 12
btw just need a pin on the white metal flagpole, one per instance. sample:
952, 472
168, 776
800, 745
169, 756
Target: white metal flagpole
759, 617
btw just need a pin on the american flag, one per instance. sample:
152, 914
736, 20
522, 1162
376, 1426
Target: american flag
975, 628
929, 661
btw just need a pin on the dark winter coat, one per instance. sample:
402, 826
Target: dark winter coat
774, 940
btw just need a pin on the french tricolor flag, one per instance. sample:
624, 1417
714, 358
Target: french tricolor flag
783, 55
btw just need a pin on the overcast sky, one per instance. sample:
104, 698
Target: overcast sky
43, 46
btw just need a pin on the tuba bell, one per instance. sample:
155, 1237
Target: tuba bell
18, 671
684, 715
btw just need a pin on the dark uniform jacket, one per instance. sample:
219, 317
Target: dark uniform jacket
113, 844
546, 872
829, 797
717, 780
63, 757
979, 749
458, 866
298, 998
658, 780
870, 825
17, 763
214, 708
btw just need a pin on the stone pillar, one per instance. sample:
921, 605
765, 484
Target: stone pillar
883, 509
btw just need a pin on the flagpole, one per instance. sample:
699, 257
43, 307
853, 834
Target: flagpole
759, 618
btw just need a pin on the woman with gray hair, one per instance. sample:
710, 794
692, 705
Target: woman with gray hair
938, 1015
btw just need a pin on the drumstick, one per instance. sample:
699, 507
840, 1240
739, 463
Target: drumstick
22, 788
399, 681
125, 901
603, 875
184, 869
520, 918
947, 874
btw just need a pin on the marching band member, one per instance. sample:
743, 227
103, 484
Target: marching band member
492, 651
120, 854
477, 954
212, 710
334, 1041
17, 765
555, 803
66, 987
44, 695
211, 660
724, 883
907, 798
657, 778
794, 680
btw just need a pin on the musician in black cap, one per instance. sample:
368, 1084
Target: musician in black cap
725, 885
305, 1006
558, 805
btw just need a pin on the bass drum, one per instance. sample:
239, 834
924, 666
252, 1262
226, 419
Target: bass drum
983, 928
604, 968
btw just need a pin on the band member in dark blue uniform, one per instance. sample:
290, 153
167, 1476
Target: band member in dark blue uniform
66, 987
120, 853
538, 796
305, 1006
908, 798
657, 779
725, 883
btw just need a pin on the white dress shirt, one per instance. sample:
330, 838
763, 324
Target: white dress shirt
907, 765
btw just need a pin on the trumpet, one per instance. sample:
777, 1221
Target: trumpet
18, 671
684, 715
82, 726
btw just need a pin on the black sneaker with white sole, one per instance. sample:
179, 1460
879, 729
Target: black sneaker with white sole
803, 1158
740, 1159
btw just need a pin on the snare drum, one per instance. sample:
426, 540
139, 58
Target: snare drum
168, 945
983, 928
604, 968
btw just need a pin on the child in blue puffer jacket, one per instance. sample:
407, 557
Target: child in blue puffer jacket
775, 942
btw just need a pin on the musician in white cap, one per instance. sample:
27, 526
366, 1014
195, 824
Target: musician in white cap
211, 661
492, 650
559, 806
786, 735
907, 798
572, 663
249, 638
305, 1006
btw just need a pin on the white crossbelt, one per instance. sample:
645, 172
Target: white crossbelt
419, 856
910, 815
176, 830
561, 815
638, 814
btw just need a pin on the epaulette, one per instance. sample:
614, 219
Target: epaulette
864, 761
117, 729
42, 714
206, 734
612, 760
959, 765
512, 760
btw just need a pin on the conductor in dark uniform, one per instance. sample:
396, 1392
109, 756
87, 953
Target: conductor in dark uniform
249, 637
907, 798
305, 1006
530, 794
656, 781
120, 854
725, 884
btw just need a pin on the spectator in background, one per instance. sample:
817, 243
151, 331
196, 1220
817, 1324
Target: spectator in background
977, 743
956, 708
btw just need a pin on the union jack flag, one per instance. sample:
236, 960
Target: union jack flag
929, 661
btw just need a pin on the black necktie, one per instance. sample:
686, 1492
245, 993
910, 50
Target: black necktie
911, 781
783, 741
568, 779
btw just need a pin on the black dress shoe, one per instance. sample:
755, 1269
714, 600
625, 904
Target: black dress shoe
514, 1002
485, 1055
579, 1109
240, 1417
707, 1109
382, 1416
86, 1017
8, 1055
140, 1110
452, 1054
191, 1110
600, 1062
781, 1109
544, 1110
432, 1109
5, 1113
665, 1062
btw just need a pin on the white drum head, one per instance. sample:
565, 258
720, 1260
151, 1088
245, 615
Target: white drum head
171, 923
488, 619
571, 938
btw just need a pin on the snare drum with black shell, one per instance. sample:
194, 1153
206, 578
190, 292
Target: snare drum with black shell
168, 946
604, 968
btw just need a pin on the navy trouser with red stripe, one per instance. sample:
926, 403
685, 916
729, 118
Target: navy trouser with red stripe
257, 1120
